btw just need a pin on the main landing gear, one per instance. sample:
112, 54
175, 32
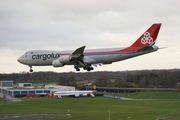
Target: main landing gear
87, 67
76, 67
31, 70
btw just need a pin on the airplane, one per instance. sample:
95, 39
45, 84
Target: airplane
85, 59
59, 94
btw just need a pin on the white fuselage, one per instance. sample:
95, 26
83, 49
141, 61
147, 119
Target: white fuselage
103, 56
73, 93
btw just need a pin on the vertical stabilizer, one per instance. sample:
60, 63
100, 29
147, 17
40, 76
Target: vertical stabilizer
148, 38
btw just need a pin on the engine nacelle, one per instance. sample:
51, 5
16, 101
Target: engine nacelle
85, 94
57, 63
76, 95
64, 59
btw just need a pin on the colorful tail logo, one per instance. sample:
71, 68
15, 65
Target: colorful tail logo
148, 38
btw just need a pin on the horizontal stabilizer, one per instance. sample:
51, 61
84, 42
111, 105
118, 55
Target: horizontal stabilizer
92, 95
146, 48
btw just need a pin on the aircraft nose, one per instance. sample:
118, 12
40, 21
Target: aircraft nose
20, 60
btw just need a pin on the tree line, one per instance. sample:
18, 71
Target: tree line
139, 78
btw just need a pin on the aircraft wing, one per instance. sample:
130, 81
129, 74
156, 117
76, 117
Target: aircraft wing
77, 56
78, 52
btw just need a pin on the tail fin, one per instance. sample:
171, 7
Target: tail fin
149, 37
94, 87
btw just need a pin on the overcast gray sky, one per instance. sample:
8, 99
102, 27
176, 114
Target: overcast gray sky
69, 24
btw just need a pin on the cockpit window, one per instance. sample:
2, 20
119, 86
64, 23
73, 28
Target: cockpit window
26, 54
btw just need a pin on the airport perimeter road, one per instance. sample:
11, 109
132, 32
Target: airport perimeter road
29, 116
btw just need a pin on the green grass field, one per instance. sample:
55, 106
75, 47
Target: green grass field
87, 108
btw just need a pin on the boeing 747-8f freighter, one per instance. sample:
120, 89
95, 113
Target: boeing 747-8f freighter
82, 58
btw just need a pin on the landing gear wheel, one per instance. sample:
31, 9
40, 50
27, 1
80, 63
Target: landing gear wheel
89, 68
76, 67
31, 70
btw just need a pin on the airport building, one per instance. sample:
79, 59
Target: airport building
24, 84
60, 87
14, 92
24, 89
6, 83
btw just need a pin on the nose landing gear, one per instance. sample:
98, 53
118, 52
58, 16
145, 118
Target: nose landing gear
31, 70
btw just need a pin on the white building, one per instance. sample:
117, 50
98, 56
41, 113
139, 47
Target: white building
55, 88
24, 84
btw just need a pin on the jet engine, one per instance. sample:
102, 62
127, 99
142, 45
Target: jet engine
64, 59
85, 94
57, 63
